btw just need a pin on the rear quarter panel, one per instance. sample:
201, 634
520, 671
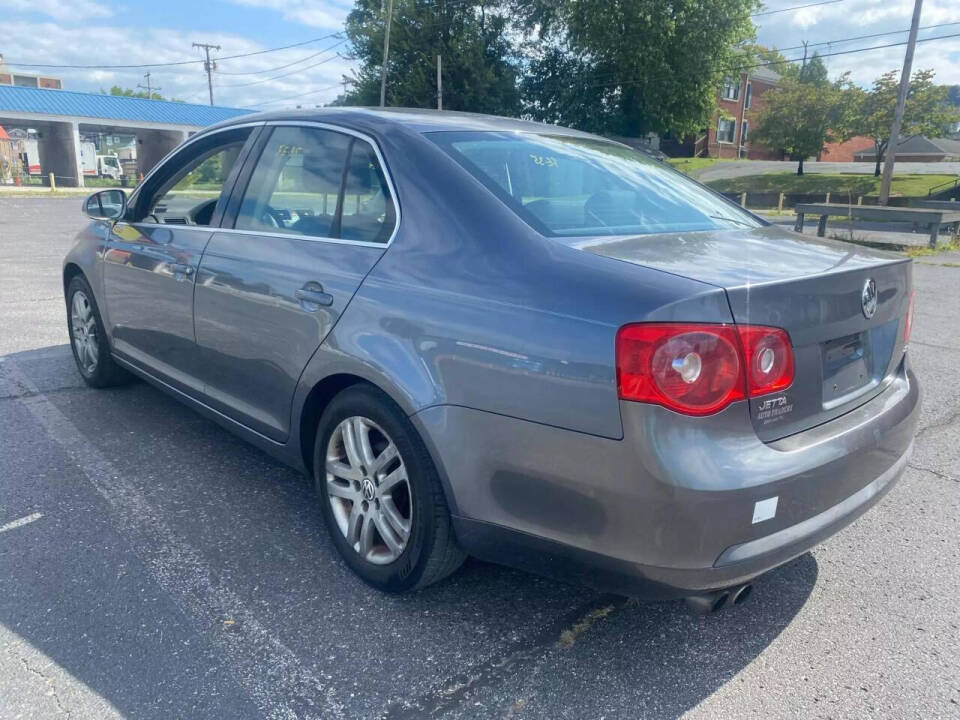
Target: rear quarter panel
470, 307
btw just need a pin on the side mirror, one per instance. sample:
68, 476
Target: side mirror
106, 205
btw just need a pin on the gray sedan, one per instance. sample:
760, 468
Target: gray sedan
505, 339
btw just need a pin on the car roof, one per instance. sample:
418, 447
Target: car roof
415, 119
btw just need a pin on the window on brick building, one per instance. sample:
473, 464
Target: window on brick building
726, 129
748, 95
731, 89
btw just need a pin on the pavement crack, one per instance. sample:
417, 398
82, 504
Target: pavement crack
936, 473
27, 394
950, 420
520, 657
50, 684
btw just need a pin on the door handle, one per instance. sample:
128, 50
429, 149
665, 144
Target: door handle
312, 295
181, 269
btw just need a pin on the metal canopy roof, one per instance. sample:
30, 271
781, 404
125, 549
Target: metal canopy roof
40, 101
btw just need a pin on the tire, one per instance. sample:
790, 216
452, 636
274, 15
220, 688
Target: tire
375, 491
88, 339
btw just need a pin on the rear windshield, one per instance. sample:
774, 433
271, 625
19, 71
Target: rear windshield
571, 186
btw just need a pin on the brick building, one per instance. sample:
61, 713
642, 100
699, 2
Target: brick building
739, 101
8, 77
845, 150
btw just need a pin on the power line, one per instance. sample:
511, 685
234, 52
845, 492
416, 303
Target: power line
293, 97
278, 77
796, 7
169, 64
865, 37
741, 68
281, 67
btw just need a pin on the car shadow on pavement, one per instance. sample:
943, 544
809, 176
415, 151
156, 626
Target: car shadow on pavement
179, 572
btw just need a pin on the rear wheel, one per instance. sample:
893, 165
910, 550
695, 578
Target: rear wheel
88, 339
380, 493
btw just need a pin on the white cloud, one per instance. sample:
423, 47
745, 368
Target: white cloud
72, 10
67, 44
328, 14
838, 21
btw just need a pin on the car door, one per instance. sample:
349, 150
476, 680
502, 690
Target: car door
314, 215
151, 258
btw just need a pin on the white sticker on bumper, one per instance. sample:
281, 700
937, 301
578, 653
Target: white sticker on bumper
765, 509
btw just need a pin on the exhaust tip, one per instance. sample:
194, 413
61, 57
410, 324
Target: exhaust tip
708, 602
741, 594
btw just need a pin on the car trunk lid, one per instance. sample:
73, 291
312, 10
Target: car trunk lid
844, 354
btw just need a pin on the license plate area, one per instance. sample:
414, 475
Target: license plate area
847, 367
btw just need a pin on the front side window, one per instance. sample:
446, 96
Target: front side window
190, 193
744, 132
726, 130
572, 186
321, 183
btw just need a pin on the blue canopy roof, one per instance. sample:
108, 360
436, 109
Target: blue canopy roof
110, 107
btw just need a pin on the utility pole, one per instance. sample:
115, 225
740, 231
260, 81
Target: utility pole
439, 85
208, 65
804, 63
901, 101
346, 80
148, 88
386, 55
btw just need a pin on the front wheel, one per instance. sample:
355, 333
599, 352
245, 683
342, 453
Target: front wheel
380, 494
88, 339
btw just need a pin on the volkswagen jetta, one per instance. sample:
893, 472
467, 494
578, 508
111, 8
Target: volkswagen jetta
513, 340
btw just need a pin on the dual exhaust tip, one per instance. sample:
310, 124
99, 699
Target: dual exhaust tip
711, 602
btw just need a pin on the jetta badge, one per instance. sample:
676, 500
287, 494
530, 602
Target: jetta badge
868, 298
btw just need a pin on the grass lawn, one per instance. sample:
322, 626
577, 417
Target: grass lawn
856, 184
691, 166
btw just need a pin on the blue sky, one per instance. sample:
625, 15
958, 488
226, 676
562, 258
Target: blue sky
136, 31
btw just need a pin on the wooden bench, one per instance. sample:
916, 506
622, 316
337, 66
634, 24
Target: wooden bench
931, 218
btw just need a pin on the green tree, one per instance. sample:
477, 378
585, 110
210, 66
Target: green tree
926, 111
800, 118
479, 61
814, 72
629, 67
128, 92
771, 58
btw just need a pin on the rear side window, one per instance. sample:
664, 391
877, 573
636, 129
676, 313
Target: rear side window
571, 186
321, 183
296, 183
368, 213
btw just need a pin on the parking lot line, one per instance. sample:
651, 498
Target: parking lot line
21, 522
180, 570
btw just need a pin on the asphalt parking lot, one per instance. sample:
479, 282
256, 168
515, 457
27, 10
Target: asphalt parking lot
153, 566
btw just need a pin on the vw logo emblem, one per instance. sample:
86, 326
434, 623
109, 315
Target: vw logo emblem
868, 298
367, 489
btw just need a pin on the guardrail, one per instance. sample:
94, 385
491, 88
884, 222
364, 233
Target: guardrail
944, 186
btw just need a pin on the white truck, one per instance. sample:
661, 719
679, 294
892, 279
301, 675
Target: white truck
99, 165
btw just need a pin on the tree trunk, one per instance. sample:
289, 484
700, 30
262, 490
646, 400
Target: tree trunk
878, 149
800, 167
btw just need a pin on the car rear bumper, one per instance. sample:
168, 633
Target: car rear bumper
680, 505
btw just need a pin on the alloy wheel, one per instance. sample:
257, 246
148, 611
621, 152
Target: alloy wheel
84, 326
369, 490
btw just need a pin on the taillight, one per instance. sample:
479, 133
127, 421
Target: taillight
699, 369
908, 322
769, 359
